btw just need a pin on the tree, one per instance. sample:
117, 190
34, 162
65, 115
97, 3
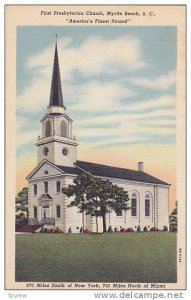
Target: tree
21, 205
96, 197
174, 212
173, 220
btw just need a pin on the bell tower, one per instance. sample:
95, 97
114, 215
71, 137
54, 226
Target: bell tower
56, 142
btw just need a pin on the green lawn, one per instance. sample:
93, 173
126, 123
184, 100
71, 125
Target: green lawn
111, 257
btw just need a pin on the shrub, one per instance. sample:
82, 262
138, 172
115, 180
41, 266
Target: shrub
58, 230
165, 228
145, 229
87, 231
138, 228
154, 229
51, 230
110, 229
130, 230
122, 230
174, 229
69, 230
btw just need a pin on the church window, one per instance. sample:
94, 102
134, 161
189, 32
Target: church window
35, 212
35, 189
63, 128
134, 205
147, 205
45, 151
48, 128
64, 151
58, 186
58, 213
45, 172
46, 187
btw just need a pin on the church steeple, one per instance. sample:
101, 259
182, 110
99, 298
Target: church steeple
56, 98
57, 143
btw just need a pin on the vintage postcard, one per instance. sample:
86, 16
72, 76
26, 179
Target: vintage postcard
95, 147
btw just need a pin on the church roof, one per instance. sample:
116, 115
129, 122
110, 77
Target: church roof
111, 172
69, 170
56, 98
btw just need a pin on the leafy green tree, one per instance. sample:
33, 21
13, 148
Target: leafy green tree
21, 205
96, 197
174, 212
173, 219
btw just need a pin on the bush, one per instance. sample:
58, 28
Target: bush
20, 221
87, 231
51, 230
165, 228
130, 230
174, 229
69, 230
110, 229
122, 230
138, 228
145, 229
58, 230
154, 229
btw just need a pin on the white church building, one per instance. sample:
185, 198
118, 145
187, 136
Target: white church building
58, 166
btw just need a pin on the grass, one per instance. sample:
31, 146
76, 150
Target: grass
114, 257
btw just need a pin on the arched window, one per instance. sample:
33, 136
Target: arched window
48, 128
45, 151
134, 205
147, 205
63, 128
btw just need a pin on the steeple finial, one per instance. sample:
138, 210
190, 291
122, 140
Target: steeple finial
56, 98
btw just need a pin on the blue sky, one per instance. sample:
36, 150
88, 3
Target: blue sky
119, 84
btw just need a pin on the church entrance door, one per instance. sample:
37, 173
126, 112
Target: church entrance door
45, 212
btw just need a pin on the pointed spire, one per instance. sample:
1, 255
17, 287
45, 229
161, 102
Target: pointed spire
56, 98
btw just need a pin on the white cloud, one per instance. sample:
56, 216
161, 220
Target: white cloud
96, 56
98, 95
24, 137
132, 138
161, 83
92, 95
126, 123
35, 96
43, 61
21, 123
158, 108
93, 56
157, 103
